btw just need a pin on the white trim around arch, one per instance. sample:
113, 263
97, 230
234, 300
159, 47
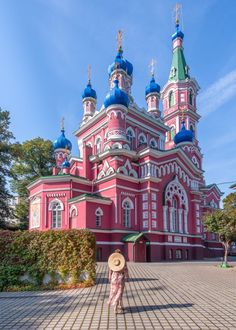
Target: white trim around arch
55, 200
72, 208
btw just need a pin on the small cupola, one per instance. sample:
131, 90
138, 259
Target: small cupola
116, 96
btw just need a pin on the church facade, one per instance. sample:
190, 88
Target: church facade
139, 183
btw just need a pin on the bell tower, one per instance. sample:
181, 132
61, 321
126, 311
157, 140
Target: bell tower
180, 92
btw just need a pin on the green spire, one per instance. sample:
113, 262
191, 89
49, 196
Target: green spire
179, 69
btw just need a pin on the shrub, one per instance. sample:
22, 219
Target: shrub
65, 255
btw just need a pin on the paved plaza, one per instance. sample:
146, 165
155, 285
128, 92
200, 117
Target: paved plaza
158, 296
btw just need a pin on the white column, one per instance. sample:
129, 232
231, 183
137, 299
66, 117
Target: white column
149, 169
165, 209
180, 220
142, 172
186, 221
116, 209
145, 170
171, 219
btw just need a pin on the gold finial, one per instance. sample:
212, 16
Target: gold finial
62, 123
177, 12
182, 117
89, 73
119, 40
152, 66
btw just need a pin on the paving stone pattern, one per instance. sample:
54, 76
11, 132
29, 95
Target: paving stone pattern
158, 296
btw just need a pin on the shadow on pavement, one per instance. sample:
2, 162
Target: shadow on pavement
139, 309
104, 280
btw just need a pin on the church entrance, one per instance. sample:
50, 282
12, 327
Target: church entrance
137, 247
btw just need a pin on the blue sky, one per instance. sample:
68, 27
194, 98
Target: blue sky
46, 46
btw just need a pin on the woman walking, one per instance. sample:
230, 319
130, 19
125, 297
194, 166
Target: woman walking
118, 274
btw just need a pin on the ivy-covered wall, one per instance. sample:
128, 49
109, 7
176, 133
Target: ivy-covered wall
65, 257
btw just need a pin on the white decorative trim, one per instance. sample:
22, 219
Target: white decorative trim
99, 211
56, 200
177, 244
131, 130
110, 231
109, 243
116, 145
73, 207
127, 199
126, 146
170, 192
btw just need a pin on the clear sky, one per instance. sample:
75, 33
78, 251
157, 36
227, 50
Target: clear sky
46, 46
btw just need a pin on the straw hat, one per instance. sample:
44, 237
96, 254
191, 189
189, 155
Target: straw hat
116, 262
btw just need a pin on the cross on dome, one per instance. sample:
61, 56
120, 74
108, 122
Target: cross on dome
62, 124
177, 13
152, 66
119, 39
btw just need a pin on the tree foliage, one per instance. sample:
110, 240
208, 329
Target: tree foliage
223, 222
6, 150
33, 158
67, 253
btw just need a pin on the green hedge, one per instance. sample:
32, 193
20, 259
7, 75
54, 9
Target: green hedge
67, 253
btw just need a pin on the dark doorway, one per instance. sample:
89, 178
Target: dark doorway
148, 252
99, 254
186, 254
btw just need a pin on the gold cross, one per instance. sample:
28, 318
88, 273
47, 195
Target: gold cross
152, 66
177, 12
62, 123
119, 39
89, 73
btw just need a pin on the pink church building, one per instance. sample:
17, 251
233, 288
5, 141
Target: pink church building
138, 183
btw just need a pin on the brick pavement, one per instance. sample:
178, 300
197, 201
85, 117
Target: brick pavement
158, 296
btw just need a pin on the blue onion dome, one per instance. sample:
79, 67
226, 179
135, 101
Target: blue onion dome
178, 33
121, 63
62, 142
116, 96
184, 135
152, 87
66, 164
89, 92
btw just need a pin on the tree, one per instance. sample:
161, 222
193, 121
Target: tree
223, 223
33, 158
6, 136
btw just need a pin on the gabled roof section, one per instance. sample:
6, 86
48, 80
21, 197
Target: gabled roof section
91, 198
59, 178
211, 187
132, 238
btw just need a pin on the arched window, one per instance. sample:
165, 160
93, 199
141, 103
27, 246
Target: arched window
56, 214
98, 145
172, 133
153, 144
127, 206
175, 215
190, 97
141, 139
99, 214
192, 129
130, 137
171, 99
